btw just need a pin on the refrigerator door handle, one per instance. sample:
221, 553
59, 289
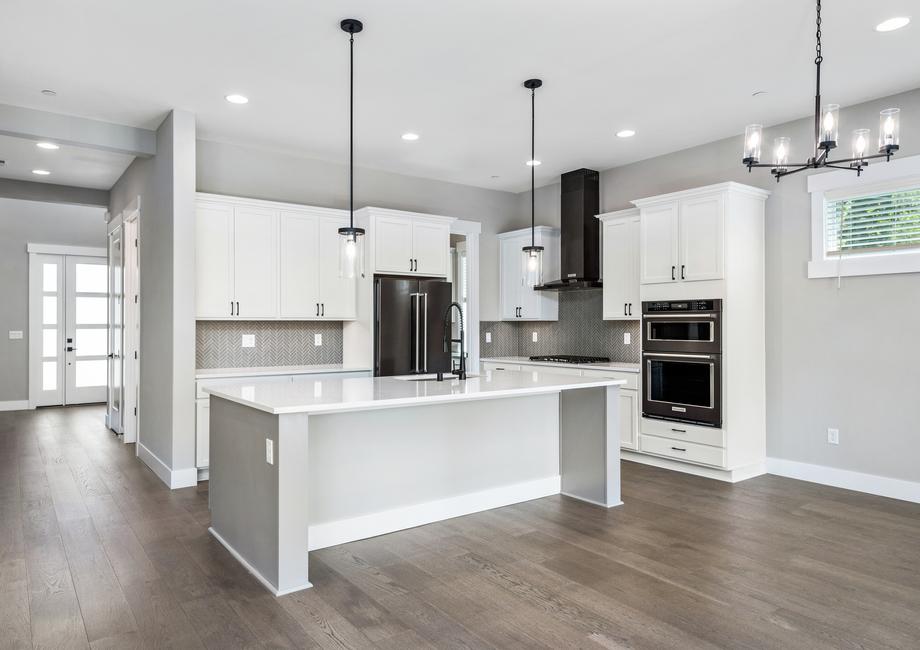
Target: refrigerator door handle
415, 297
425, 348
377, 324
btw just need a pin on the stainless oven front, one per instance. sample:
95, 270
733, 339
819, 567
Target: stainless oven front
693, 326
683, 387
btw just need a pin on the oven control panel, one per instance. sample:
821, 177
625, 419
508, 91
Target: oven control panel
682, 305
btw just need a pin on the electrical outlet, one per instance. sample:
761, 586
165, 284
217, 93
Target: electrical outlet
833, 436
15, 334
317, 339
269, 451
488, 337
534, 337
627, 338
249, 340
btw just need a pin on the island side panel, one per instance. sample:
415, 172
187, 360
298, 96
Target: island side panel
590, 444
247, 515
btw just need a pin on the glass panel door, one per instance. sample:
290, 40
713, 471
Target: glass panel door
95, 341
47, 333
85, 341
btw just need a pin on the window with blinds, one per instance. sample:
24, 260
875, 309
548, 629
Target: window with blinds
873, 223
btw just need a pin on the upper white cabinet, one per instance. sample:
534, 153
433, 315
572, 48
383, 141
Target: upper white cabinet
620, 237
261, 260
410, 244
517, 300
683, 235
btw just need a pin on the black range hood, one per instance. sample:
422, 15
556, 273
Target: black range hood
581, 233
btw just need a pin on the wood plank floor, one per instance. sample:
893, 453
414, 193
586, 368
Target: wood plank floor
96, 552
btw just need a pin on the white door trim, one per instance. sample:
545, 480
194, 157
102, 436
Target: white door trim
472, 230
60, 249
131, 320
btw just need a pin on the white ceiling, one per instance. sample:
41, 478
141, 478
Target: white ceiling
678, 72
76, 166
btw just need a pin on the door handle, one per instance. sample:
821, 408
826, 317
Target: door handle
231, 308
425, 348
673, 272
682, 274
322, 309
625, 311
630, 309
317, 309
237, 307
70, 349
415, 296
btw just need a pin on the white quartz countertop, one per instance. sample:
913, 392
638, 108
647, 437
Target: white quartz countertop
268, 371
620, 366
337, 394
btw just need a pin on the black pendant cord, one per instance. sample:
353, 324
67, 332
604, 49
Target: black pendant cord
351, 130
533, 165
819, 58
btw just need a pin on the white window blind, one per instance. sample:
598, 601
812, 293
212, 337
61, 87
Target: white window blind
874, 223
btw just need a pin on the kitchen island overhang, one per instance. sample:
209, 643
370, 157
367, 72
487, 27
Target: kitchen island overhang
314, 463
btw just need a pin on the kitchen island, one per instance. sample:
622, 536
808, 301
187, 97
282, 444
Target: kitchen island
297, 466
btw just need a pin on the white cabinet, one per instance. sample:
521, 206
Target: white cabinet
261, 260
410, 244
629, 419
620, 237
517, 300
310, 284
682, 239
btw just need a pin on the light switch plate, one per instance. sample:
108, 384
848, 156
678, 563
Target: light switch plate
269, 451
249, 340
627, 338
534, 337
488, 337
15, 334
833, 436
317, 339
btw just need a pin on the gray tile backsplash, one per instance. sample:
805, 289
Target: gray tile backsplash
278, 343
580, 329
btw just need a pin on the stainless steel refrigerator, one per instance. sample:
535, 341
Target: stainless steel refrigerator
409, 325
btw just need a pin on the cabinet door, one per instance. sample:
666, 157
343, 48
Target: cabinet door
255, 262
702, 233
213, 260
621, 272
337, 295
512, 277
431, 247
202, 431
300, 265
393, 245
629, 419
659, 243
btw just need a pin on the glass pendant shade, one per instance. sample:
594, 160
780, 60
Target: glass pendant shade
351, 253
532, 262
830, 125
889, 129
860, 143
781, 153
753, 140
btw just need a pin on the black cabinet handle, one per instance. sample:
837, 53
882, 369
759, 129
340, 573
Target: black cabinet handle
673, 271
231, 308
679, 430
410, 263
682, 274
630, 309
323, 309
237, 307
625, 310
678, 449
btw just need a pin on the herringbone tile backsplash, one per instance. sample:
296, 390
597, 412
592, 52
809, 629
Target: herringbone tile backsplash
581, 329
278, 343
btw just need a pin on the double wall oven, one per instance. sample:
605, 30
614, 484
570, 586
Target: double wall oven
682, 361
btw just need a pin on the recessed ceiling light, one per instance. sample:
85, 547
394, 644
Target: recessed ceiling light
41, 172
892, 24
237, 99
626, 133
533, 163
46, 145
49, 93
410, 137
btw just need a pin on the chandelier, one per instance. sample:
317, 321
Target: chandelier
826, 135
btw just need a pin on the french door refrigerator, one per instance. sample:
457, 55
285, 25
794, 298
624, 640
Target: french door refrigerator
409, 325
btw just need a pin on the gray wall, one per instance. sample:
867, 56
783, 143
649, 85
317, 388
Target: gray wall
51, 193
243, 171
23, 222
845, 358
166, 185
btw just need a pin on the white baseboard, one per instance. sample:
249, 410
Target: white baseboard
258, 576
379, 523
843, 478
174, 478
15, 405
728, 475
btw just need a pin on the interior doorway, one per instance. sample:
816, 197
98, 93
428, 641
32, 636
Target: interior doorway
68, 324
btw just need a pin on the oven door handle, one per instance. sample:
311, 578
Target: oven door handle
699, 316
679, 356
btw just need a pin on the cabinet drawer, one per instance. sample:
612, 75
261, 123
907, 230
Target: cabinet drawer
686, 451
491, 365
684, 432
631, 378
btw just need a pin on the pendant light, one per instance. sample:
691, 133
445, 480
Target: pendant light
533, 254
827, 128
351, 239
